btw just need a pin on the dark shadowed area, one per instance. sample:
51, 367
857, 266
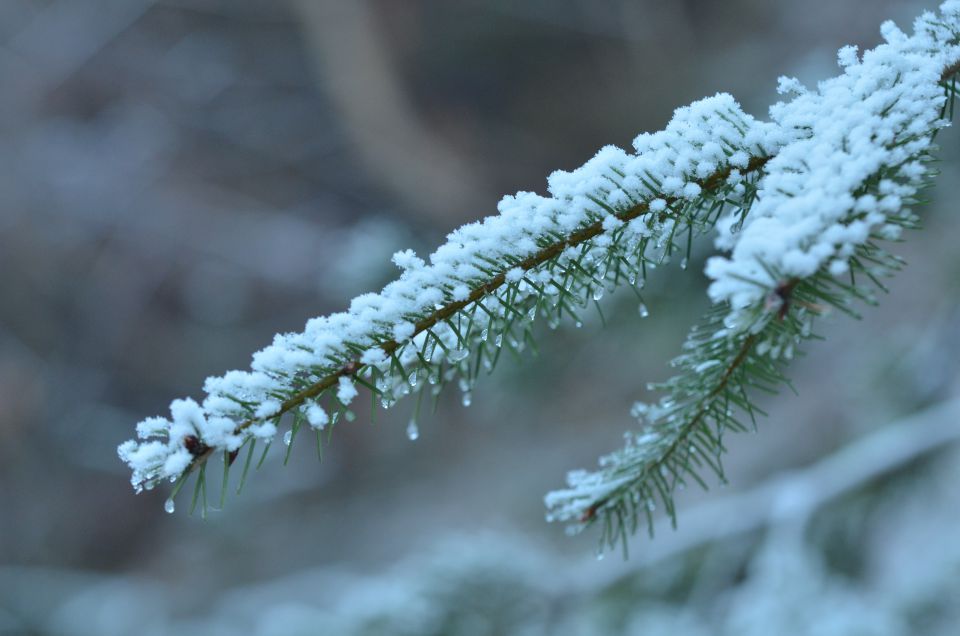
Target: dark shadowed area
182, 179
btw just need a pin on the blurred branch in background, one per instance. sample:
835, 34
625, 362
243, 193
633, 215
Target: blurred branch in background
354, 66
505, 583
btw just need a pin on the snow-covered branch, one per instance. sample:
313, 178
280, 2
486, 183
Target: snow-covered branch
860, 153
603, 225
801, 204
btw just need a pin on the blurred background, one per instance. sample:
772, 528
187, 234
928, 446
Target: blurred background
181, 179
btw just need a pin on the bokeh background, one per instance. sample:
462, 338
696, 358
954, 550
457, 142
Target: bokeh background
181, 179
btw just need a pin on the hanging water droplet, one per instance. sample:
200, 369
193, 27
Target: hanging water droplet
532, 313
641, 283
578, 324
288, 437
385, 402
598, 293
651, 506
413, 431
467, 399
487, 364
632, 278
499, 341
413, 378
553, 323
683, 263
169, 506
484, 334
644, 312
600, 555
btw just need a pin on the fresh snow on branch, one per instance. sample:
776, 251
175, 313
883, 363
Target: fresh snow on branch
811, 209
602, 223
858, 155
799, 204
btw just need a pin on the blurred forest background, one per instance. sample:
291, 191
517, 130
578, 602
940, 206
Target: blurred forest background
181, 179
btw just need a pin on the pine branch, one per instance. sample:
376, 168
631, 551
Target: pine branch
768, 298
446, 311
606, 223
801, 204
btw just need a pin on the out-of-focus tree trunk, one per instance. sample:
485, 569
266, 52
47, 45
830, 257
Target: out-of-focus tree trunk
354, 66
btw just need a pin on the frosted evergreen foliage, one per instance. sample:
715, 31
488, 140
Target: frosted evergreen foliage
800, 206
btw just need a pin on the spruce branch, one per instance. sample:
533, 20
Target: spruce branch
801, 204
605, 225
354, 366
767, 299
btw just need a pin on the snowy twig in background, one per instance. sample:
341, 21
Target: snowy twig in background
801, 204
489, 574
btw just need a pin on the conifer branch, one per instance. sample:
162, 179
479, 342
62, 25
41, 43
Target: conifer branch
605, 224
766, 312
801, 205
552, 251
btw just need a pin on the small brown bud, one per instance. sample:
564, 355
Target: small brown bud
194, 444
